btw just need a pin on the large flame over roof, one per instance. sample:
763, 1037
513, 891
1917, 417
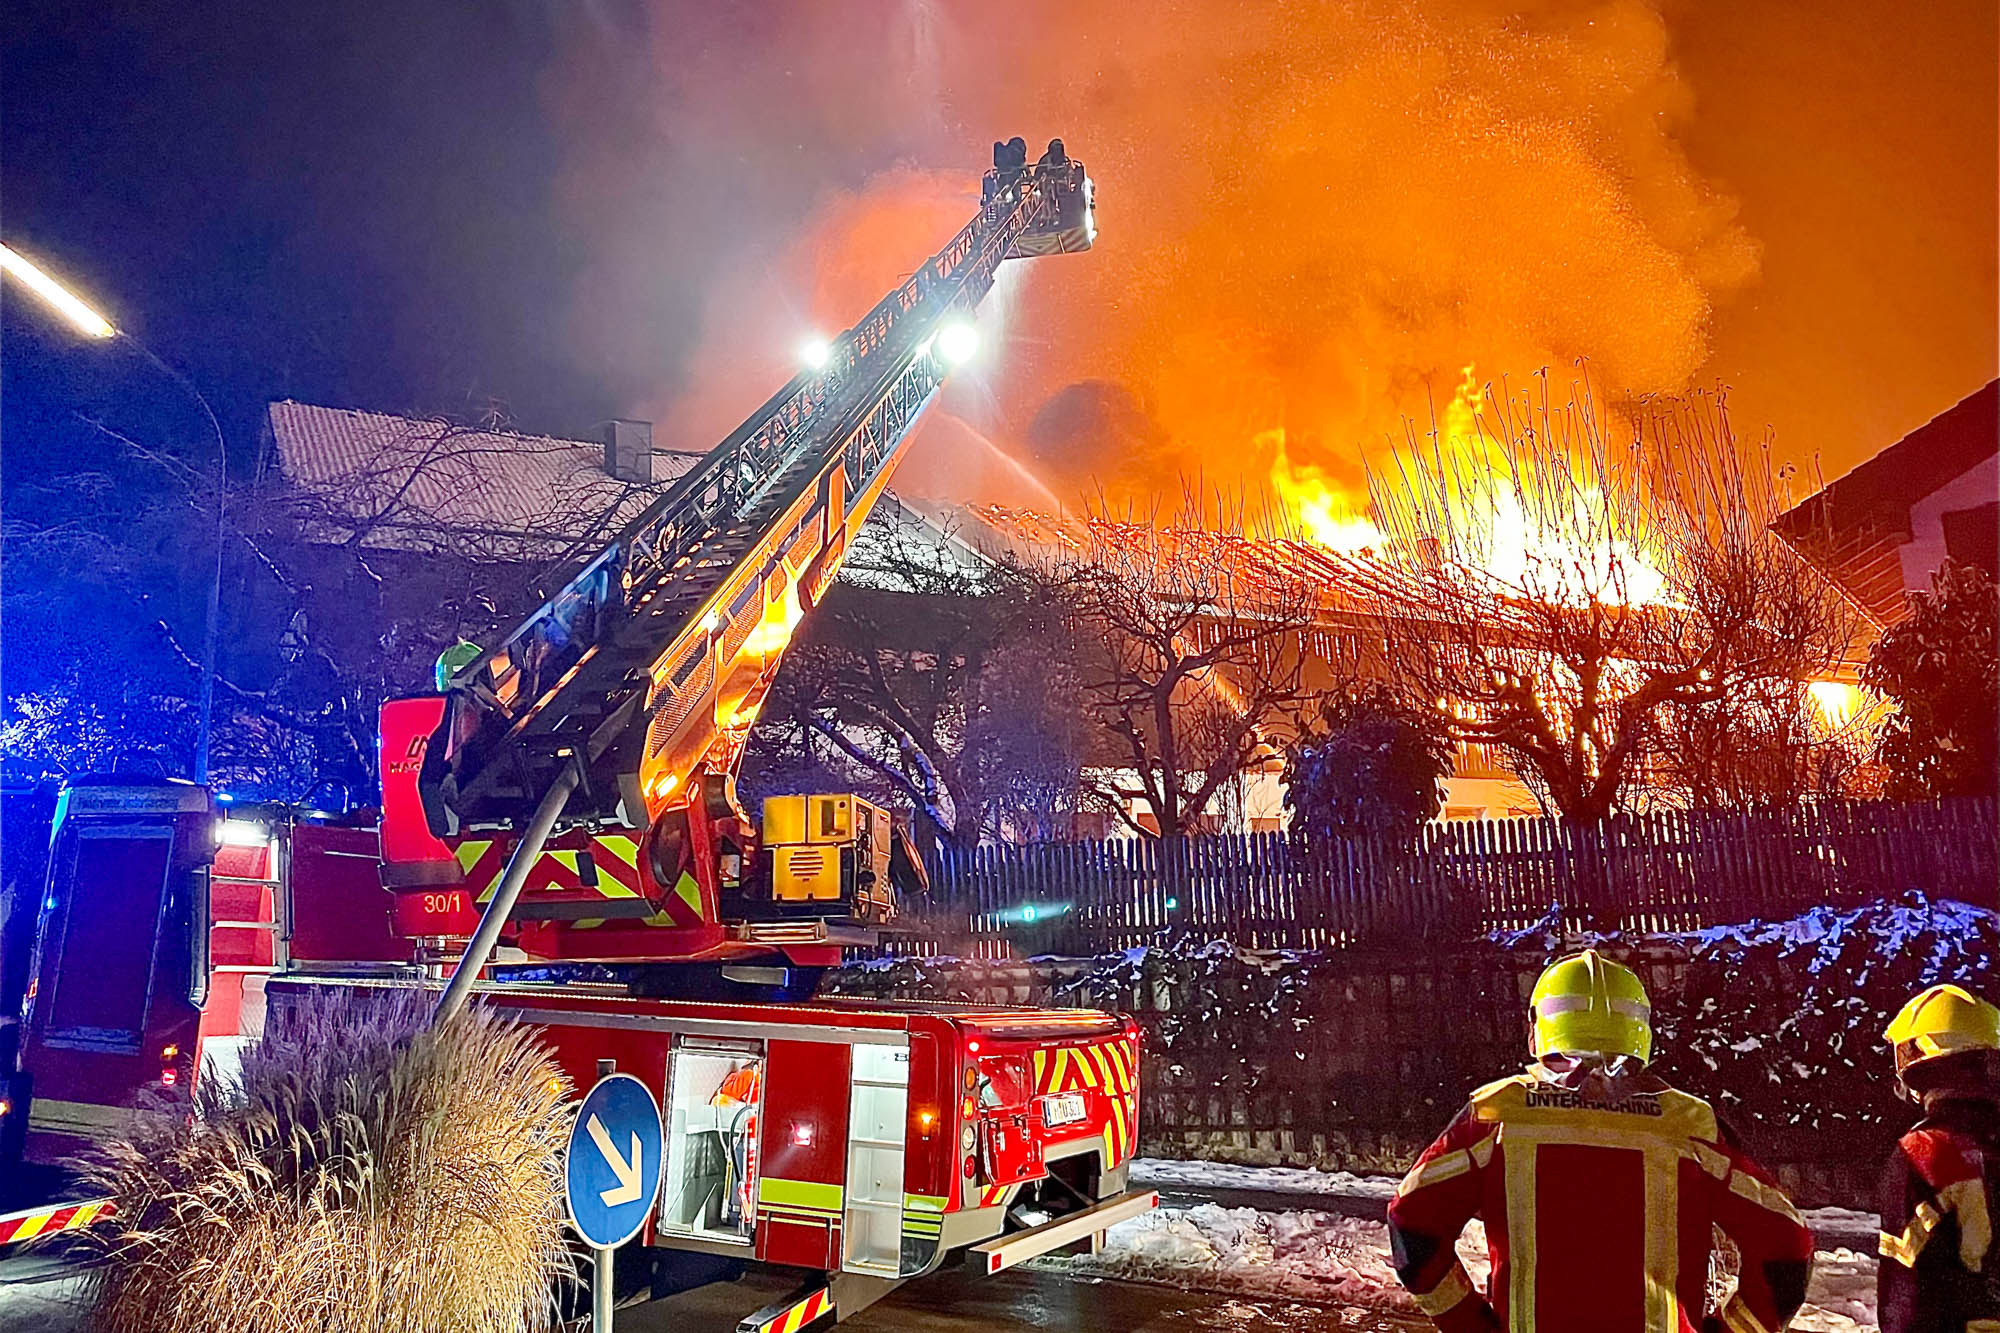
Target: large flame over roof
1315, 216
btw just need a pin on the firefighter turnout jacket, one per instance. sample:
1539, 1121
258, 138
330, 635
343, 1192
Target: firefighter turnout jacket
1940, 1267
1598, 1187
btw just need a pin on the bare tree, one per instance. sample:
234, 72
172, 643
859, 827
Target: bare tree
932, 676
1193, 655
1775, 742
1578, 573
344, 578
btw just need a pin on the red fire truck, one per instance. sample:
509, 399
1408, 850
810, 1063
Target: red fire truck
567, 809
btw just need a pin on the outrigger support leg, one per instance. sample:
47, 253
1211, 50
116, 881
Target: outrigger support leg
824, 1302
480, 947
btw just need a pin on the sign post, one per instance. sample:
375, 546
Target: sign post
612, 1173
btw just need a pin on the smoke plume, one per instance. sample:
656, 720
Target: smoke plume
1314, 216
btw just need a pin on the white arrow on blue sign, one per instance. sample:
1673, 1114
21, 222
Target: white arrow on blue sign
612, 1169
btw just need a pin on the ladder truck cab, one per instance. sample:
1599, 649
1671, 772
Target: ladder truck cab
560, 837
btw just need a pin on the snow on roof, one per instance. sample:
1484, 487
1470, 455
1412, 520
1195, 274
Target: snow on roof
427, 484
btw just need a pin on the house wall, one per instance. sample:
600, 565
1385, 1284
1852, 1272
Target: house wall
1925, 551
1255, 801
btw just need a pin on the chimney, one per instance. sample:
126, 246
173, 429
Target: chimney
628, 450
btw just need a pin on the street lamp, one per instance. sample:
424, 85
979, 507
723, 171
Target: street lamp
93, 325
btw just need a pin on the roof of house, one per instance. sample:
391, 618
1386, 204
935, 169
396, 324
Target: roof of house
1851, 528
427, 484
1344, 583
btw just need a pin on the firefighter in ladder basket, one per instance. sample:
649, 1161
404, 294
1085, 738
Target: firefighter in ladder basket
1598, 1185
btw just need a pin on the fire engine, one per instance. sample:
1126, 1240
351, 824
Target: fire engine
560, 837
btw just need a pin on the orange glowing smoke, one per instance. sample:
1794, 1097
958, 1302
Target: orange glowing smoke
1313, 217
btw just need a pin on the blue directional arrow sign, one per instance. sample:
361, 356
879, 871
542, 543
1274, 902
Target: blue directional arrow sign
612, 1170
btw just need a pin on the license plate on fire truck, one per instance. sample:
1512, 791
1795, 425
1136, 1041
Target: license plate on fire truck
1064, 1109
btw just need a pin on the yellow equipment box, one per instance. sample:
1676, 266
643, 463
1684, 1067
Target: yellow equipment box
831, 848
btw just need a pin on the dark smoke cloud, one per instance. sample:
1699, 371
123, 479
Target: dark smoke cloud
1314, 215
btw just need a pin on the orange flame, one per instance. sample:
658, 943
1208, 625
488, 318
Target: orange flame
1547, 555
1321, 512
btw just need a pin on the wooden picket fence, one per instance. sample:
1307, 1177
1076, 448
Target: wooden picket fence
1663, 871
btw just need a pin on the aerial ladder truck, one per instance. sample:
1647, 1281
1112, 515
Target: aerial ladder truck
566, 809
622, 704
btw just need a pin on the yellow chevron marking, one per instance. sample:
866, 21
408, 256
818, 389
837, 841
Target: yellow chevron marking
1041, 1071
469, 853
610, 888
32, 1227
1089, 1071
625, 849
1127, 1060
1102, 1054
798, 1316
690, 893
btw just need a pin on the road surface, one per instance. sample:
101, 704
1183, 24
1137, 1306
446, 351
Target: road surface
1019, 1300
38, 1296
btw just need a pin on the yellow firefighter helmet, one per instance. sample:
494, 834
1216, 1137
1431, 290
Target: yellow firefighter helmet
1942, 1021
1586, 1002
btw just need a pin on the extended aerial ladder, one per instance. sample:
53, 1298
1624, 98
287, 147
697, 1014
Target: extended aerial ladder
572, 791
575, 785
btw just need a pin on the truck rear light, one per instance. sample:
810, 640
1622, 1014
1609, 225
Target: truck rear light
169, 1051
169, 1076
973, 1046
926, 1120
968, 1138
971, 1167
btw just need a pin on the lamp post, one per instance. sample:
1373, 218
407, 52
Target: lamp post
93, 325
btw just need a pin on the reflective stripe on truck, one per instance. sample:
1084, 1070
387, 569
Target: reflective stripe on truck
1006, 1251
48, 1221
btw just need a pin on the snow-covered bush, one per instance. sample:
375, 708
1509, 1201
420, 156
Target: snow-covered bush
1353, 1060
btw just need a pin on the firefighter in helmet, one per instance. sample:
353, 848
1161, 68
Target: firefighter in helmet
1940, 1266
1598, 1185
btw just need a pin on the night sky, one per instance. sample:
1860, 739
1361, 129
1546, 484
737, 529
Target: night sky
568, 212
326, 201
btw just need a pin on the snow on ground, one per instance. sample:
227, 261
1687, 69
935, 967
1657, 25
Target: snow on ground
1836, 1224
1161, 1173
1305, 1255
1317, 1256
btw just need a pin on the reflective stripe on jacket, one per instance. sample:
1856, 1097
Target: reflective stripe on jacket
1598, 1194
1940, 1268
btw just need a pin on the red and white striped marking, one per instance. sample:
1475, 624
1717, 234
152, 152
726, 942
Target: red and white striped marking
47, 1221
795, 1317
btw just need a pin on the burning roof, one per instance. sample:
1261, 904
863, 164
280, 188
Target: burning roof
1346, 583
